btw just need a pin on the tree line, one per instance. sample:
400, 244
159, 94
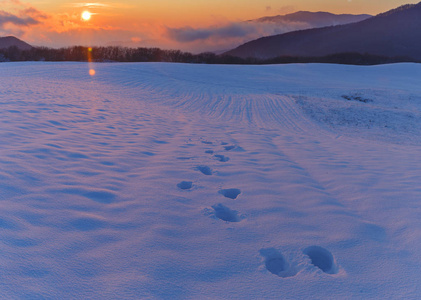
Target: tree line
124, 54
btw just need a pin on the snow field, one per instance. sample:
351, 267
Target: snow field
171, 181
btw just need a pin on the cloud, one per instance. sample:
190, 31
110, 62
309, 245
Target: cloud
189, 34
244, 30
90, 5
226, 36
99, 5
67, 29
11, 1
34, 13
8, 18
20, 18
286, 9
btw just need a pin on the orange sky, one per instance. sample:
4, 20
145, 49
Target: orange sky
153, 23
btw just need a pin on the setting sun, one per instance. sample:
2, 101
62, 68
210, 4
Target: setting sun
86, 16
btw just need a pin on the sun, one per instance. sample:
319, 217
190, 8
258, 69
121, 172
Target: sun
86, 15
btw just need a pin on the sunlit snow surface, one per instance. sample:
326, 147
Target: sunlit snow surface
173, 181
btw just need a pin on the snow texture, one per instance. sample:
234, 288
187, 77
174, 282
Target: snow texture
174, 181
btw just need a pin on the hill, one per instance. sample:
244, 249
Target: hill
306, 19
394, 33
10, 41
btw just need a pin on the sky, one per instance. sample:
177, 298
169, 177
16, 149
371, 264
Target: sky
188, 25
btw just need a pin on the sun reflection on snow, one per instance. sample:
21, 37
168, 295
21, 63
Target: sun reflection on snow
92, 72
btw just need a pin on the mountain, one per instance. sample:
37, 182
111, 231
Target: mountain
394, 33
306, 19
9, 41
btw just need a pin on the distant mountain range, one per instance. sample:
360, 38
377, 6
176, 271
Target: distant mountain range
394, 33
10, 41
306, 19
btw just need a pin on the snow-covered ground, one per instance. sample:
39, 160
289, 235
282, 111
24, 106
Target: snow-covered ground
173, 181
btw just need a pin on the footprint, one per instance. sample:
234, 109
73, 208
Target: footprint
160, 142
222, 158
209, 151
100, 196
228, 148
224, 213
205, 170
184, 158
276, 263
230, 193
76, 155
322, 258
207, 142
148, 153
185, 185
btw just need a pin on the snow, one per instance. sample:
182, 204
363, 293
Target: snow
174, 181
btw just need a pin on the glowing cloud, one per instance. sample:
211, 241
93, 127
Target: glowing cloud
90, 5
